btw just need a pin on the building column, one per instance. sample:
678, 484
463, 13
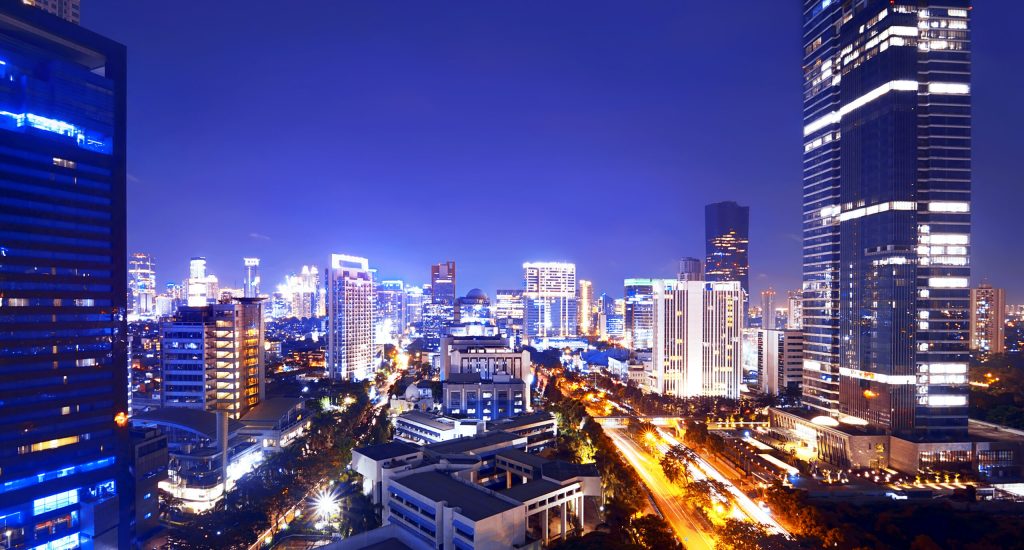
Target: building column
563, 506
545, 529
508, 479
580, 512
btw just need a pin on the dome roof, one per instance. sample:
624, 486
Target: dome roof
476, 294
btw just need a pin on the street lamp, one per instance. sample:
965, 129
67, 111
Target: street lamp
327, 505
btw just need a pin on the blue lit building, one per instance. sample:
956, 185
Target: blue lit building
64, 456
727, 236
886, 213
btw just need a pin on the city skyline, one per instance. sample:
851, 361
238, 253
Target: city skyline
648, 145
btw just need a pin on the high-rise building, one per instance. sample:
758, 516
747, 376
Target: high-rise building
350, 346
727, 235
886, 213
690, 269
415, 299
251, 282
212, 357
202, 288
439, 314
988, 320
550, 299
141, 286
442, 283
585, 308
639, 314
795, 310
64, 461
68, 10
697, 338
777, 356
390, 304
768, 309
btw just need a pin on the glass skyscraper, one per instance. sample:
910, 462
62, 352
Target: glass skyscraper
63, 285
886, 212
727, 236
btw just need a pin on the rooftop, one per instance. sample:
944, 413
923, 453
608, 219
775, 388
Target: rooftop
272, 410
531, 490
427, 419
523, 420
560, 470
388, 544
196, 420
523, 457
384, 451
471, 444
473, 503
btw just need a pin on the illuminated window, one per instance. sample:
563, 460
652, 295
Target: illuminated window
54, 502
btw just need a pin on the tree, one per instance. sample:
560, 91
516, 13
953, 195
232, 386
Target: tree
652, 532
742, 535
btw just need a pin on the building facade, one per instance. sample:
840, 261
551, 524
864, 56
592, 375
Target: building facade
251, 279
639, 313
988, 320
777, 356
549, 293
727, 239
63, 285
350, 305
141, 286
886, 213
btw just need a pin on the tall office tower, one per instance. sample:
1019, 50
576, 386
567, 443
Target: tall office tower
442, 283
350, 348
212, 357
697, 338
639, 314
414, 300
68, 10
141, 286
690, 269
549, 299
251, 282
63, 300
202, 288
302, 292
777, 357
439, 314
988, 320
391, 309
585, 308
887, 172
795, 310
727, 235
768, 309
510, 312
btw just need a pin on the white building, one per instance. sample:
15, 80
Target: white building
550, 299
350, 349
201, 287
697, 338
141, 286
777, 357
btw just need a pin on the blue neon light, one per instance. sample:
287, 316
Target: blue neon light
16, 484
83, 138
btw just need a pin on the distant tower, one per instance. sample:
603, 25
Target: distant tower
795, 310
201, 288
585, 308
727, 234
141, 286
252, 277
550, 299
690, 270
768, 309
988, 320
350, 306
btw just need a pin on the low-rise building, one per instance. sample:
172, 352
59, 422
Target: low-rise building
149, 468
276, 423
423, 428
500, 396
418, 396
370, 462
540, 429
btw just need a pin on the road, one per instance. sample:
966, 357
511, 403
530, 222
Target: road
667, 495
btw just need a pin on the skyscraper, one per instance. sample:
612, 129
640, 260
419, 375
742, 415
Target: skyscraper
886, 214
202, 288
251, 282
390, 304
141, 286
550, 299
988, 320
442, 283
727, 236
68, 10
439, 314
585, 308
696, 338
768, 309
690, 269
639, 315
794, 310
350, 304
63, 299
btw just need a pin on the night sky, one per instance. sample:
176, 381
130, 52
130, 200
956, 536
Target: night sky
494, 133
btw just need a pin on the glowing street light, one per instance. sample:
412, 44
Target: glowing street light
327, 505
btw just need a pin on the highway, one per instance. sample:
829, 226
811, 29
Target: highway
667, 495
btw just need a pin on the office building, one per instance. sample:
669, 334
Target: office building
886, 213
510, 312
697, 338
549, 299
303, 293
442, 283
68, 10
474, 309
768, 309
141, 286
63, 290
201, 287
727, 236
690, 269
149, 464
777, 358
988, 320
414, 302
390, 305
251, 280
585, 308
639, 313
212, 357
795, 310
350, 304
